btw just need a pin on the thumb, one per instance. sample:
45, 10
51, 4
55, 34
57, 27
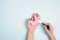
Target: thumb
28, 21
46, 28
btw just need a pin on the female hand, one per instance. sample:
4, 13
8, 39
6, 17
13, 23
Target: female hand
49, 31
30, 26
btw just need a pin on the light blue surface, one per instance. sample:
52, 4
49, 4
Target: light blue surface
14, 13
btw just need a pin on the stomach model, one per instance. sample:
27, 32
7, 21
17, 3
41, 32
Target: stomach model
35, 19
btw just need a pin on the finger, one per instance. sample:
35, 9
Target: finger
45, 28
33, 19
28, 21
37, 15
50, 26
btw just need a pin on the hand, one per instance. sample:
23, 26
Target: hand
49, 31
33, 22
30, 26
31, 29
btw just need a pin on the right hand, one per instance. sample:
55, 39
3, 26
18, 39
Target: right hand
50, 31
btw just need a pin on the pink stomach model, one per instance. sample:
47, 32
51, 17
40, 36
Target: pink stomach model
35, 20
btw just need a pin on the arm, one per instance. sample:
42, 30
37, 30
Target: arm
31, 29
30, 35
52, 37
49, 31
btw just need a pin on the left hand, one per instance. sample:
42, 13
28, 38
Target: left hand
30, 26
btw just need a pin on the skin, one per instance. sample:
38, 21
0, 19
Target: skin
32, 24
31, 29
50, 31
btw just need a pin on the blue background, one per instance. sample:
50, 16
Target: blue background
14, 13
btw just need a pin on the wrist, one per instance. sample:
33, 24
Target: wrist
30, 34
32, 31
52, 37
